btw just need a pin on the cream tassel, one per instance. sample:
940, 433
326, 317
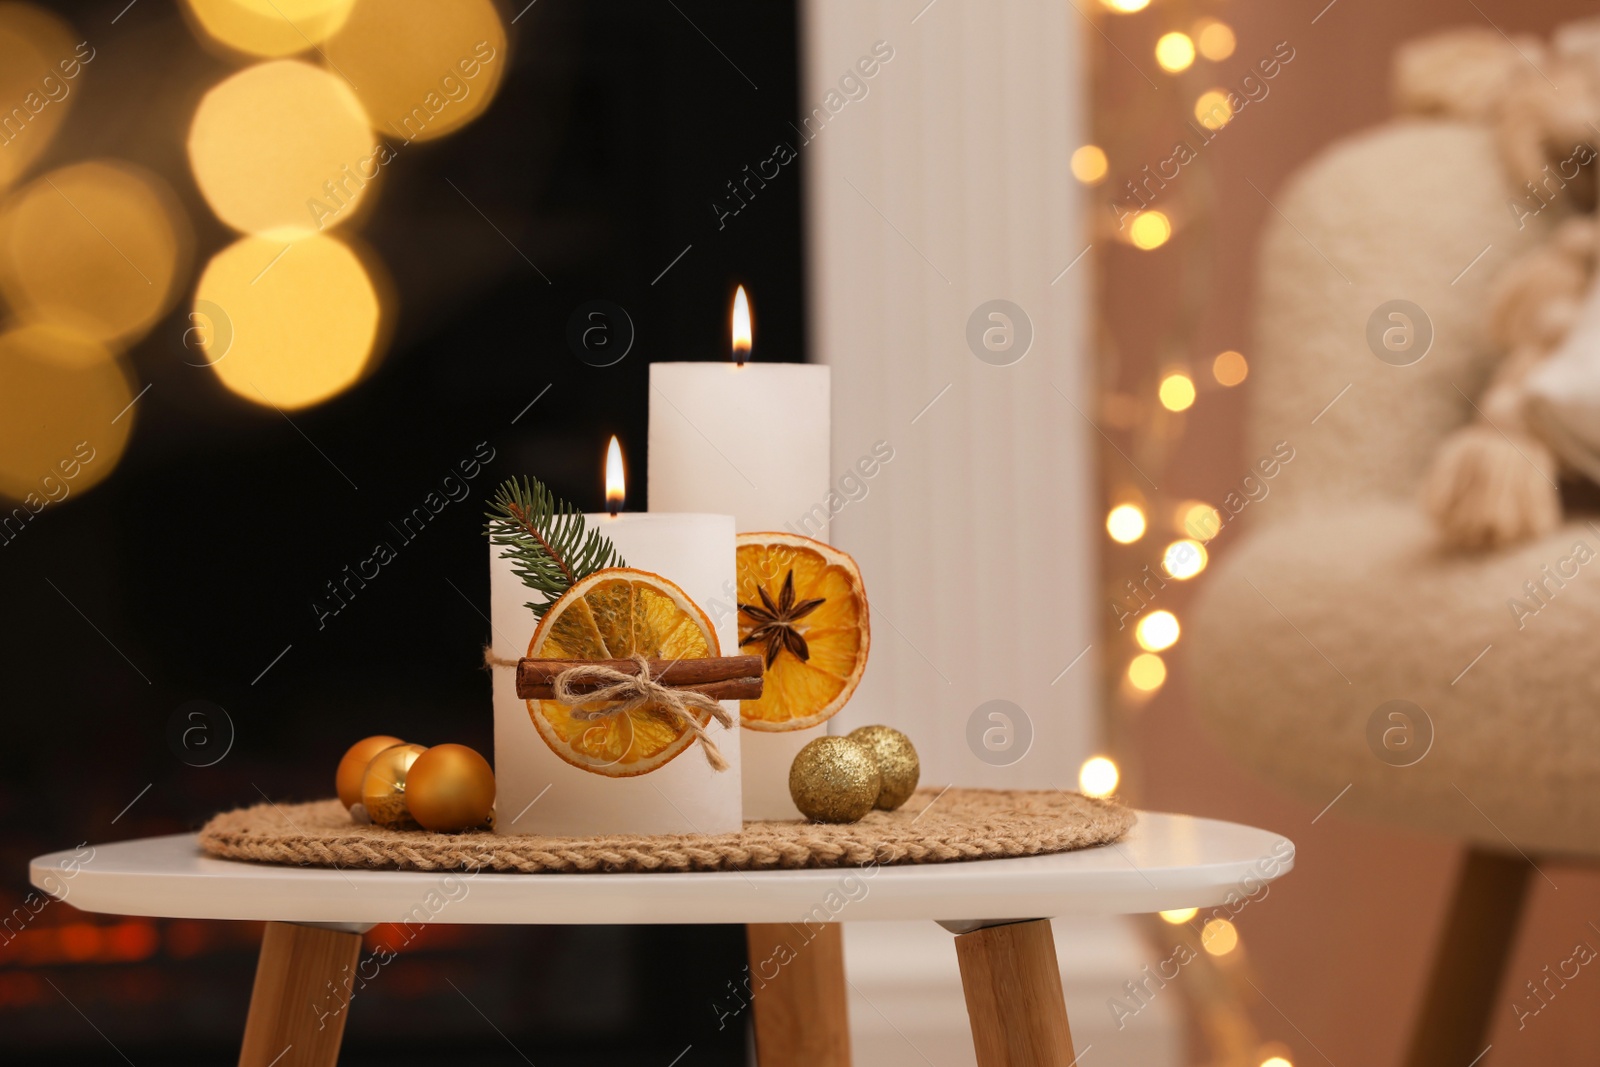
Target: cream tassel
1488, 489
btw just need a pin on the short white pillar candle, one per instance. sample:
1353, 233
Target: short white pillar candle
540, 793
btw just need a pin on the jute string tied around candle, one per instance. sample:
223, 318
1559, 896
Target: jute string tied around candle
621, 692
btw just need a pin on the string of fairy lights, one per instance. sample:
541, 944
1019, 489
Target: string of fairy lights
1150, 407
1155, 540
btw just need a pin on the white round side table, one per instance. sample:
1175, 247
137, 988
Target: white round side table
998, 910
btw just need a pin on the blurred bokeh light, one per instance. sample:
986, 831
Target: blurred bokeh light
289, 325
1175, 52
422, 68
1146, 672
64, 413
1198, 519
1089, 164
1219, 937
1125, 523
1230, 368
40, 75
1157, 631
1177, 392
269, 27
282, 149
1213, 110
1184, 559
1216, 40
101, 247
1098, 777
1150, 229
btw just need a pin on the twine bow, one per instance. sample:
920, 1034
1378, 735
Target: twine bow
622, 692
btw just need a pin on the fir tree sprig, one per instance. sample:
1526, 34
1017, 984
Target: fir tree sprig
546, 540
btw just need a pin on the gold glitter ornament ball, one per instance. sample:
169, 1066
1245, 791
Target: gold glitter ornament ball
834, 779
898, 765
383, 790
450, 788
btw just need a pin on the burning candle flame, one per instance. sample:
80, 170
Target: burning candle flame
616, 487
741, 326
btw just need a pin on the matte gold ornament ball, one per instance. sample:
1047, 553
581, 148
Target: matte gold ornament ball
449, 788
353, 766
898, 765
383, 789
834, 779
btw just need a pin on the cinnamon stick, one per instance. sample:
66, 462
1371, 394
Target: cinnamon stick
719, 677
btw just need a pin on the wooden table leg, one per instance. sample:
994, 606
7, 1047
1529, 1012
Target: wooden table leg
301, 997
797, 986
1014, 1001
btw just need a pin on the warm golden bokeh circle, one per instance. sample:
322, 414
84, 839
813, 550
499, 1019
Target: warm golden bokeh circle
1177, 392
421, 67
1175, 52
1184, 558
282, 149
1230, 368
1098, 777
1089, 164
37, 53
1198, 520
300, 320
64, 415
1219, 937
1157, 631
1125, 523
1146, 672
1150, 229
1213, 110
269, 27
101, 248
1216, 40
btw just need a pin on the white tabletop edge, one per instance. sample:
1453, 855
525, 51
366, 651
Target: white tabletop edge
1166, 862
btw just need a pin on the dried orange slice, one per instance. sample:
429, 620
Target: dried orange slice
803, 609
612, 614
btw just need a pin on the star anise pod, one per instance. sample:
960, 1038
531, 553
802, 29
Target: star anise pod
775, 622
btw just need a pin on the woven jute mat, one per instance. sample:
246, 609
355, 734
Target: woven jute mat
932, 827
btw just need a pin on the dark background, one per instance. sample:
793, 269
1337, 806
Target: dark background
185, 574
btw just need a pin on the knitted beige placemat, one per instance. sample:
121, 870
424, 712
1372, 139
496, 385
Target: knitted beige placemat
932, 827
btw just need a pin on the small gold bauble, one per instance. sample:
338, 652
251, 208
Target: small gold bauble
897, 763
353, 767
834, 779
383, 789
449, 788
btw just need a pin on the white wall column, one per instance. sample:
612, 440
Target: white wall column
945, 186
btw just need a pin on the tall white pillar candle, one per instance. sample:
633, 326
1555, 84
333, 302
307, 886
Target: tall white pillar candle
751, 440
540, 793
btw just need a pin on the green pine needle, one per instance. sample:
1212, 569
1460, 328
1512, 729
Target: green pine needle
546, 540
